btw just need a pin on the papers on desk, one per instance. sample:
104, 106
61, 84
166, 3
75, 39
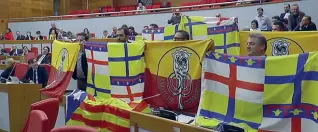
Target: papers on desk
184, 118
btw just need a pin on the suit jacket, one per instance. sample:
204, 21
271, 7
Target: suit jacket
6, 73
13, 52
282, 18
42, 76
29, 38
293, 21
39, 38
46, 59
310, 27
21, 37
84, 67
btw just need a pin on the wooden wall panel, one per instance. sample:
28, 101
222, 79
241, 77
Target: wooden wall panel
30, 8
66, 6
95, 4
133, 2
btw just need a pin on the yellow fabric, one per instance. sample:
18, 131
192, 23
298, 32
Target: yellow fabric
71, 50
298, 41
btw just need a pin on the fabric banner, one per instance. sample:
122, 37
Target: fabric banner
103, 114
259, 93
173, 74
285, 43
98, 77
63, 63
127, 67
154, 34
134, 38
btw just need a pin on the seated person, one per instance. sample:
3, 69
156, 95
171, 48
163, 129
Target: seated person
256, 45
2, 51
45, 57
9, 71
53, 35
14, 51
36, 74
39, 36
25, 50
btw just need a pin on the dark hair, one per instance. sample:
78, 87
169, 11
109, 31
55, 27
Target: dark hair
31, 61
86, 37
132, 28
87, 30
125, 30
48, 48
38, 32
256, 23
185, 34
260, 8
288, 5
154, 25
261, 39
308, 17
276, 17
280, 24
124, 26
9, 29
105, 31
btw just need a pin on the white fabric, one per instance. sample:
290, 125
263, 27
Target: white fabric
253, 75
276, 124
218, 68
41, 59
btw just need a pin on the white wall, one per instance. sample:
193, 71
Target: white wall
98, 25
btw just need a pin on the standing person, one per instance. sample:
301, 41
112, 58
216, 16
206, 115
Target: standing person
80, 71
9, 35
175, 18
36, 74
29, 36
264, 22
53, 35
284, 16
295, 18
53, 27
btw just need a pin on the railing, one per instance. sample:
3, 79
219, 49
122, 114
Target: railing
158, 10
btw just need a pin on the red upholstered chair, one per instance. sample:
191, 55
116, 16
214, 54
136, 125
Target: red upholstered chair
35, 50
20, 70
74, 129
29, 55
45, 37
111, 9
7, 50
50, 107
38, 122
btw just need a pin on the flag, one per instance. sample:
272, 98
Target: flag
126, 69
73, 101
154, 34
173, 74
260, 93
63, 63
98, 77
134, 38
285, 43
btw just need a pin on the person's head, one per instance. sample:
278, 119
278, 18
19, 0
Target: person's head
306, 20
53, 25
260, 11
18, 33
105, 33
25, 49
287, 8
181, 35
53, 31
10, 62
295, 9
38, 33
140, 4
82, 37
122, 34
278, 26
256, 45
153, 26
131, 29
33, 63
124, 26
115, 29
275, 18
8, 30
46, 50
254, 24
28, 33
146, 27
86, 31
14, 47
218, 15
236, 20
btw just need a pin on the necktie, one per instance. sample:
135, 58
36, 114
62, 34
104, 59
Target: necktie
35, 76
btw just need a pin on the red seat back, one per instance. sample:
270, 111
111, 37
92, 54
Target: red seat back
20, 70
50, 107
44, 37
29, 55
7, 50
35, 50
38, 122
74, 129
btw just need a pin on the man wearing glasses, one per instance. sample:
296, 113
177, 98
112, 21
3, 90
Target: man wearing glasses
181, 35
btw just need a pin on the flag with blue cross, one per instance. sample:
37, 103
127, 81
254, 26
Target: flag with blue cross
98, 78
266, 94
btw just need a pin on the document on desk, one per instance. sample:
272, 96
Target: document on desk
184, 118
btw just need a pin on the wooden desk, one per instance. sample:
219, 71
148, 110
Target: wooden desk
16, 58
151, 123
16, 100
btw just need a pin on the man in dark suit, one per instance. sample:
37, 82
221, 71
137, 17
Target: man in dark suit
295, 17
306, 25
14, 51
45, 57
39, 36
20, 36
80, 71
284, 16
36, 74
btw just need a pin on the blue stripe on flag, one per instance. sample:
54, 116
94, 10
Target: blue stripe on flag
225, 43
129, 58
246, 61
96, 46
190, 27
169, 37
302, 59
131, 80
286, 111
210, 114
98, 89
228, 46
74, 102
193, 23
311, 75
126, 59
222, 29
230, 110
